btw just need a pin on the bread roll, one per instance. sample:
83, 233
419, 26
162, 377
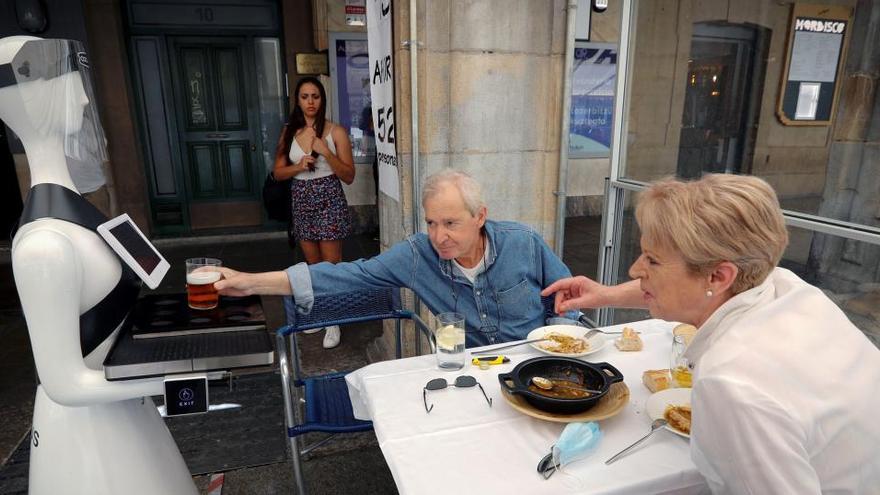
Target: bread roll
629, 341
656, 380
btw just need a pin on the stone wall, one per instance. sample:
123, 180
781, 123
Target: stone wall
490, 96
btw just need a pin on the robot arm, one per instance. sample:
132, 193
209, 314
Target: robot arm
50, 280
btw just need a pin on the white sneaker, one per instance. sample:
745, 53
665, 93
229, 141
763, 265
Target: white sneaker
313, 330
331, 337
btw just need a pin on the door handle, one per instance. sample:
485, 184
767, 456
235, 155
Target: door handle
253, 147
217, 135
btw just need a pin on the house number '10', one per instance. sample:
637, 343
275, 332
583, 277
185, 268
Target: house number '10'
206, 14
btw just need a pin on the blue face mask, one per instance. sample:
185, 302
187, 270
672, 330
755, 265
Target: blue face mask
577, 441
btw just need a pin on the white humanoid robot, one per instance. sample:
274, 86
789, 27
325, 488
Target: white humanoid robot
90, 435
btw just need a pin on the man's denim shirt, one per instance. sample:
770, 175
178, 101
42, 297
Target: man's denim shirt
518, 265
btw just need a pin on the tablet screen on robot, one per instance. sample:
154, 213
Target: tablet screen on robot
132, 246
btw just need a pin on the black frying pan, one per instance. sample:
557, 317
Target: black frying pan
594, 376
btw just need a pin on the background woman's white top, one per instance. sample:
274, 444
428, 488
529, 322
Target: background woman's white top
322, 167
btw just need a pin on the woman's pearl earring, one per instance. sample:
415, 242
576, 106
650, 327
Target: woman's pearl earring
709, 293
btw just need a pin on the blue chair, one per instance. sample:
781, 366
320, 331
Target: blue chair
327, 403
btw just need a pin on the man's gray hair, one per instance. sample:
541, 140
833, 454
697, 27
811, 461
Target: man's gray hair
470, 189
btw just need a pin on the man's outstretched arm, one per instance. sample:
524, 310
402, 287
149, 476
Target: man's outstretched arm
237, 284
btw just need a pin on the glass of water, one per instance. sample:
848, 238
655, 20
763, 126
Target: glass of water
449, 336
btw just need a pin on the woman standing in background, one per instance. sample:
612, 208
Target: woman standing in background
316, 153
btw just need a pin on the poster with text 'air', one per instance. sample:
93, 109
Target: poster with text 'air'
382, 94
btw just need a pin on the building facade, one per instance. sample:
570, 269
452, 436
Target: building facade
193, 95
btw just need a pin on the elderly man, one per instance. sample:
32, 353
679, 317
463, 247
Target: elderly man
491, 272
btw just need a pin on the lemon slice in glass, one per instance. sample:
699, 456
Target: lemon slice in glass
448, 337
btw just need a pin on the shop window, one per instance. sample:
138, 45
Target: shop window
722, 99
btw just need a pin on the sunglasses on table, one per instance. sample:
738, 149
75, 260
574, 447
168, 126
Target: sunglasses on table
464, 381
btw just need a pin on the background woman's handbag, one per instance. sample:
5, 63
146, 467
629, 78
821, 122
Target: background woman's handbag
277, 199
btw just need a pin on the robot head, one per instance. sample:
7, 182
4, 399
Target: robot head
46, 92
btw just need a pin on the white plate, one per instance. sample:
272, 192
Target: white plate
656, 404
597, 341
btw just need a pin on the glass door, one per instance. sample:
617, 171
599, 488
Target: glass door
697, 92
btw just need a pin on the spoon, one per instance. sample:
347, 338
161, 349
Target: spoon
658, 423
547, 384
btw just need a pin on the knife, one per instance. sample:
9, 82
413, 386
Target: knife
484, 351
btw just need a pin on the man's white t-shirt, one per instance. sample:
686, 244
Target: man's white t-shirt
471, 273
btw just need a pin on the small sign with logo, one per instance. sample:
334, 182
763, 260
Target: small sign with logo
311, 63
186, 395
355, 12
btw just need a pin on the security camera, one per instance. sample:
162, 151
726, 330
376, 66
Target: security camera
600, 5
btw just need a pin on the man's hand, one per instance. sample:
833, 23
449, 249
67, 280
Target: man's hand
576, 293
238, 284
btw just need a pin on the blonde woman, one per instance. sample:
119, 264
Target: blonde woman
785, 386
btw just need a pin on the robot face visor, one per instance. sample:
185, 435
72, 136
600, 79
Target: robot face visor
52, 79
43, 59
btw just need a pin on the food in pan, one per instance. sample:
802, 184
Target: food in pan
629, 341
561, 389
679, 417
565, 344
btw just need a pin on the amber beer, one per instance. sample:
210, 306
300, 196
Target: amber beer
200, 292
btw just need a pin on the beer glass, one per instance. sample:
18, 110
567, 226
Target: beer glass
200, 292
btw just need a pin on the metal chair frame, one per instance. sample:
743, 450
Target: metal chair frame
360, 306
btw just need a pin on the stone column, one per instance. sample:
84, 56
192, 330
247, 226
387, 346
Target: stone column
490, 92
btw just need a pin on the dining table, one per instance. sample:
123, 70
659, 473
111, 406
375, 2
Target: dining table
464, 445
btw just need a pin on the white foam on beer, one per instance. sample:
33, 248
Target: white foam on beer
202, 278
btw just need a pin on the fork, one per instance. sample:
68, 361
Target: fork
655, 425
606, 332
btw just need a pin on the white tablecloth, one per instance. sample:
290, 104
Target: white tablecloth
464, 446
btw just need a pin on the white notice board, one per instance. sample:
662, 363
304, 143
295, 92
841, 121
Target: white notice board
382, 94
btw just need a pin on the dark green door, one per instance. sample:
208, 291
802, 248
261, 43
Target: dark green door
212, 79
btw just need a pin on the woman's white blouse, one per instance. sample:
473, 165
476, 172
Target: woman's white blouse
786, 395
